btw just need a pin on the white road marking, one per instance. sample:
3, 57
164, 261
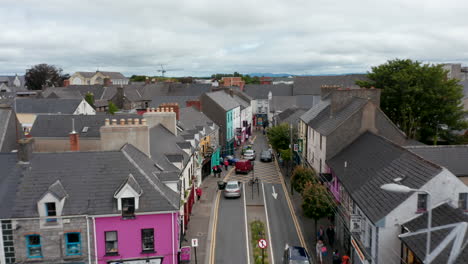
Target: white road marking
275, 195
268, 224
246, 225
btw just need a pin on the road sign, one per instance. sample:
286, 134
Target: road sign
296, 147
262, 243
194, 242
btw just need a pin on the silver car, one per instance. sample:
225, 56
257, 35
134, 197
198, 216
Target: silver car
232, 189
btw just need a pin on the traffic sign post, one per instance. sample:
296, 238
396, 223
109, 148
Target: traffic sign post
262, 243
195, 245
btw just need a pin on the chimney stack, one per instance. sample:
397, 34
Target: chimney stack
25, 149
107, 82
126, 131
74, 138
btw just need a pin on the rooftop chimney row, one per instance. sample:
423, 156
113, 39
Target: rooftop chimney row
123, 122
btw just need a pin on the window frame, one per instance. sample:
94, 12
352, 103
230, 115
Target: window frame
419, 209
48, 214
463, 197
67, 244
143, 249
116, 241
29, 246
125, 213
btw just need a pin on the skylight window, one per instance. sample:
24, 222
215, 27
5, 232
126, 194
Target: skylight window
85, 129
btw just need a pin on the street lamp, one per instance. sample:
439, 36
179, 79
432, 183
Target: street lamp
398, 188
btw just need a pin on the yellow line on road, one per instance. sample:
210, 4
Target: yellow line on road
291, 208
215, 223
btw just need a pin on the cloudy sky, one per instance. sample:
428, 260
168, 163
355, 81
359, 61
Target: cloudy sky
201, 37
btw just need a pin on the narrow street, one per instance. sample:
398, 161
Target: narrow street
230, 238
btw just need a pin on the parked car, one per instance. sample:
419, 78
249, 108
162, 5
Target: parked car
232, 189
231, 159
266, 156
296, 255
244, 166
249, 154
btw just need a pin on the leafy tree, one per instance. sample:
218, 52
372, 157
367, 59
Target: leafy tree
278, 136
89, 98
418, 98
301, 176
137, 78
44, 75
316, 202
112, 108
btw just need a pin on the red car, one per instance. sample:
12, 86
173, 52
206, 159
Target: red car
244, 166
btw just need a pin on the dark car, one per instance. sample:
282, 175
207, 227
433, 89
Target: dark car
296, 255
266, 156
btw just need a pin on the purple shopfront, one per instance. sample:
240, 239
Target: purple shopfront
149, 238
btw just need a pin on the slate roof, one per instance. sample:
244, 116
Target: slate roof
87, 74
57, 189
260, 91
8, 127
190, 118
312, 84
46, 106
175, 89
328, 123
64, 93
90, 180
61, 125
224, 100
10, 178
373, 161
163, 143
281, 103
114, 75
290, 115
443, 214
314, 111
452, 157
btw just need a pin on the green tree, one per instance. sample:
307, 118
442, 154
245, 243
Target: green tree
44, 75
418, 98
112, 108
317, 202
278, 136
89, 98
301, 176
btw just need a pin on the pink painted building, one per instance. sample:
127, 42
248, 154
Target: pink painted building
151, 238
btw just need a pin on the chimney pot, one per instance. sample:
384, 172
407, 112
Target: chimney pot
152, 109
136, 121
114, 122
122, 122
143, 122
106, 122
129, 121
148, 109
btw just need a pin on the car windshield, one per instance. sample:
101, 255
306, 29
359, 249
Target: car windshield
266, 153
249, 152
231, 186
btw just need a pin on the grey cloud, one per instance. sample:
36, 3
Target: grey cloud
207, 36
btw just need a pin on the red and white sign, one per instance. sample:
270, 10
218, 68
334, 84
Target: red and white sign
262, 243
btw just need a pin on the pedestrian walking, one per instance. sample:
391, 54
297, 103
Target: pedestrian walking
219, 171
331, 235
215, 170
320, 234
318, 249
336, 257
199, 193
345, 260
226, 164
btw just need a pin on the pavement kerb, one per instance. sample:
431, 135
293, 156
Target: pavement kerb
210, 252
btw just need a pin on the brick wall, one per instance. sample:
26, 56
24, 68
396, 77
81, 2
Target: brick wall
8, 244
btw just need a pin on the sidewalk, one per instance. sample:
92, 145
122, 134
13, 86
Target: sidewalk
200, 220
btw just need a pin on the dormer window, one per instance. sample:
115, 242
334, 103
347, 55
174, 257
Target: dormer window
51, 211
128, 207
422, 202
128, 197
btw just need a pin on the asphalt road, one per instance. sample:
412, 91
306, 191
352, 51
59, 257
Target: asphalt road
282, 226
230, 234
